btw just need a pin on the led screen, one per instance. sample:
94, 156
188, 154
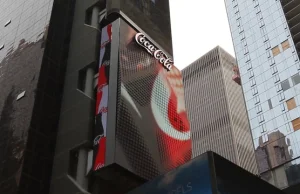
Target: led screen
153, 132
102, 99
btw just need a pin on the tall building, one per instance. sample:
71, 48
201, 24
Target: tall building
216, 109
89, 100
265, 37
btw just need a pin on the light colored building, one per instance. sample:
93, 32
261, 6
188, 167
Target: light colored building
264, 34
216, 109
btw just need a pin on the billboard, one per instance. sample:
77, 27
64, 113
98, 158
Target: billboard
191, 178
102, 98
152, 132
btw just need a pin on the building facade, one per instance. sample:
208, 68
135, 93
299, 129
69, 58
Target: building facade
216, 109
71, 69
265, 37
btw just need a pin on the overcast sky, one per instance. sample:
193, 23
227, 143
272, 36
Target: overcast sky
197, 27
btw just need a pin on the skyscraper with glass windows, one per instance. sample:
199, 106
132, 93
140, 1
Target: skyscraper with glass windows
265, 35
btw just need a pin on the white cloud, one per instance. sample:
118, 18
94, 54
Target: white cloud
197, 27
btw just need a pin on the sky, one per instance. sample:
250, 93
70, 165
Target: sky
197, 27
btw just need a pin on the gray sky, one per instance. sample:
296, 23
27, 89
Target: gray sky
197, 27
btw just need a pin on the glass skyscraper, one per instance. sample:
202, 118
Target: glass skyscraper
264, 34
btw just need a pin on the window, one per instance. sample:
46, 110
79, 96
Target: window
296, 79
242, 35
295, 57
237, 15
246, 51
291, 104
241, 29
274, 70
265, 138
270, 104
238, 22
256, 3
244, 42
285, 85
285, 45
282, 107
263, 30
296, 124
251, 74
259, 15
257, 9
278, 87
261, 23
266, 38
263, 128
275, 51
252, 82
247, 57
261, 118
271, 61
276, 78
281, 97
254, 91
236, 9
267, 45
249, 66
256, 99
258, 109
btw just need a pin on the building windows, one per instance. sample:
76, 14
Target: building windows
270, 104
246, 51
296, 124
265, 138
242, 35
244, 42
256, 99
296, 79
267, 45
265, 38
263, 128
255, 3
252, 82
247, 57
282, 107
271, 61
285, 85
249, 66
281, 97
237, 15
259, 15
295, 57
261, 118
278, 87
261, 23
274, 70
257, 9
238, 22
276, 78
250, 74
285, 45
263, 30
258, 109
254, 91
275, 51
291, 104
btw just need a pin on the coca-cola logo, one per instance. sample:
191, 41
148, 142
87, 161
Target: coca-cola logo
155, 52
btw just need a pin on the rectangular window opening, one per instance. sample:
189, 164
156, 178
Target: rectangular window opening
275, 51
291, 104
296, 124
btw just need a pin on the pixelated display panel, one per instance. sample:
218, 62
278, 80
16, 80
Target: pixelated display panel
151, 115
102, 98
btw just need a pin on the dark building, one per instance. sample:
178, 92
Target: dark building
60, 94
208, 173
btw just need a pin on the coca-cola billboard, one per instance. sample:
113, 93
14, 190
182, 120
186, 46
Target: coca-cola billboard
102, 99
153, 132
